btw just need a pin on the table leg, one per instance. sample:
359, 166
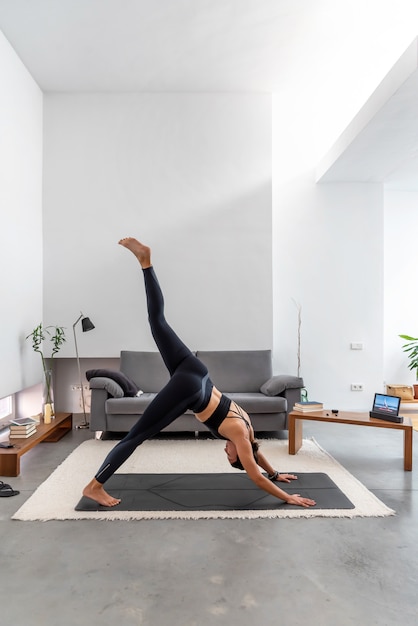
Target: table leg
407, 452
295, 434
9, 465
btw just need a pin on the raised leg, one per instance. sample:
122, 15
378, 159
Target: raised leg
170, 346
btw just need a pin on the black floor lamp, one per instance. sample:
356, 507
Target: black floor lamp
86, 325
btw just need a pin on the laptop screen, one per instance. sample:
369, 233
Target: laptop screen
386, 405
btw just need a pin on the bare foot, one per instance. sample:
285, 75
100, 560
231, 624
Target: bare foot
142, 253
95, 491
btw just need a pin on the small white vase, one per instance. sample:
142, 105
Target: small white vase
48, 398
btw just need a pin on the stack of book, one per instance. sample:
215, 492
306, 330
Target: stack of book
306, 406
22, 427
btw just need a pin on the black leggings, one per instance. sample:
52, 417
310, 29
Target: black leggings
186, 388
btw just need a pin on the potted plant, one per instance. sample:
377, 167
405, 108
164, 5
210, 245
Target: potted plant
411, 349
56, 335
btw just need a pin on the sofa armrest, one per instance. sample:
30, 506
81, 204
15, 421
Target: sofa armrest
98, 419
288, 387
101, 389
278, 385
292, 396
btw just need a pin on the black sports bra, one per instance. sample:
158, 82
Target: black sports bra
215, 420
221, 413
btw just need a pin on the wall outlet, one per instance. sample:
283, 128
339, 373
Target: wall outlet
357, 387
77, 398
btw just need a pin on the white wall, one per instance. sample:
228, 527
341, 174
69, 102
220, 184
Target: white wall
401, 295
190, 174
21, 221
328, 257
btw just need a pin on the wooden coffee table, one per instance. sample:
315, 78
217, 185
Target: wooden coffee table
355, 419
10, 457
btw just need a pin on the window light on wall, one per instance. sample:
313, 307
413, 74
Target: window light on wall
6, 409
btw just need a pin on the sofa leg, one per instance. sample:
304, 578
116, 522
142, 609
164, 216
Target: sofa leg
196, 434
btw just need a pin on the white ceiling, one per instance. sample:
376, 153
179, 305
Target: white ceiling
156, 45
218, 45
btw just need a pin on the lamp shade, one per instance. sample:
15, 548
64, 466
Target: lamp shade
86, 324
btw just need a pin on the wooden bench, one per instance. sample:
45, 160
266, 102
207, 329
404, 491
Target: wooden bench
10, 457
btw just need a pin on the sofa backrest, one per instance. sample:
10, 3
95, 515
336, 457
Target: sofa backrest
230, 370
147, 369
238, 370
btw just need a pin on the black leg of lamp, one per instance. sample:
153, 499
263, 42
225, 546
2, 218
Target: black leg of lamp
86, 325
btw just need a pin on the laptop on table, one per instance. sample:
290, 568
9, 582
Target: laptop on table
386, 408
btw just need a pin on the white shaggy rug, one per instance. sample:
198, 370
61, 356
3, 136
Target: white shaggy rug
56, 498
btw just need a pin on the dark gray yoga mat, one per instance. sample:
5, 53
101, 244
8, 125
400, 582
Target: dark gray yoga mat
212, 492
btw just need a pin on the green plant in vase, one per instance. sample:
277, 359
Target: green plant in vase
56, 334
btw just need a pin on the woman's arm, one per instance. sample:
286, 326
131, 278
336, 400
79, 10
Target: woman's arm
265, 465
245, 454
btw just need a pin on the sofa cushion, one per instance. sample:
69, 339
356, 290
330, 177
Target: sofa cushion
130, 406
258, 403
128, 386
240, 370
109, 385
146, 369
278, 384
250, 402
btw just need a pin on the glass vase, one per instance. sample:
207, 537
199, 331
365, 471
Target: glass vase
48, 397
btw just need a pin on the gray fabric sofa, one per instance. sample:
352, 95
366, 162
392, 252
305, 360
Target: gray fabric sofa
244, 376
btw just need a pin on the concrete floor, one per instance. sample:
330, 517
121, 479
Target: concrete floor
321, 572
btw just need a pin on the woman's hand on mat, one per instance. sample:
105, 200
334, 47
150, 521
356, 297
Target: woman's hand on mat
299, 501
286, 478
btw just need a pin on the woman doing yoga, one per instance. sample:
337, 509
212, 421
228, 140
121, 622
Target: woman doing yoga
189, 387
